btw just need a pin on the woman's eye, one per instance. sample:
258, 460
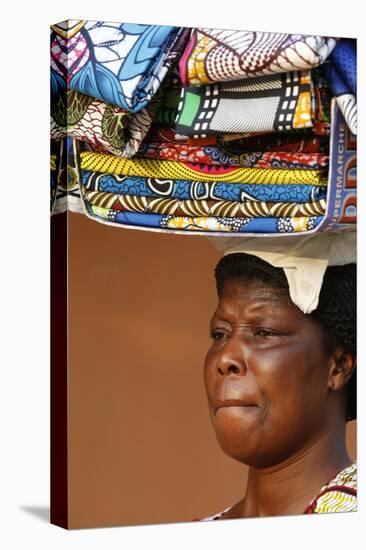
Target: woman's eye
217, 334
265, 333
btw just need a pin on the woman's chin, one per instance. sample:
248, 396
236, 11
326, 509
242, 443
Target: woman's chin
237, 420
238, 433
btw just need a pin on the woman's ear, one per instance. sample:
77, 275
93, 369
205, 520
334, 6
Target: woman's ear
343, 363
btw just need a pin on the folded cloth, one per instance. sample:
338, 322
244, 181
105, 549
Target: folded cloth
197, 190
294, 101
342, 76
150, 168
168, 133
344, 58
203, 223
54, 162
65, 176
215, 55
304, 259
177, 207
294, 142
163, 143
218, 155
168, 108
119, 63
167, 112
263, 104
322, 101
346, 101
107, 127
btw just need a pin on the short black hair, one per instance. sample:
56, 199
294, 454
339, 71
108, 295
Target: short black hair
336, 310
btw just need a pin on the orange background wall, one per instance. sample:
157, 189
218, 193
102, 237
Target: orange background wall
141, 446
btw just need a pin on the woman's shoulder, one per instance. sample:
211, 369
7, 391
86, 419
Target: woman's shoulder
338, 495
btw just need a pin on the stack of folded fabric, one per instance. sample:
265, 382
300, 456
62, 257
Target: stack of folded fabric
105, 81
237, 140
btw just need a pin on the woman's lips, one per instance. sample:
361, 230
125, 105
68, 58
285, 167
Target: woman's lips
234, 392
233, 403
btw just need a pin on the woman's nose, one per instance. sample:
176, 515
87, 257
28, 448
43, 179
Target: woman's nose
229, 369
230, 363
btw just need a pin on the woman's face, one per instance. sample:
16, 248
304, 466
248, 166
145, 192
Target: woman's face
266, 375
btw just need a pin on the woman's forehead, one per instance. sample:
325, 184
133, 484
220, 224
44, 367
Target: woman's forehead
241, 297
251, 289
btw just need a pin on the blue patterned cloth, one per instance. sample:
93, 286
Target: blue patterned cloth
200, 224
344, 58
186, 190
341, 72
119, 63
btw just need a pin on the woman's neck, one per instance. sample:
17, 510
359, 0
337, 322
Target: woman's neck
288, 487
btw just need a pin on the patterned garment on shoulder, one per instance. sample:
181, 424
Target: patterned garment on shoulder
120, 63
338, 495
215, 55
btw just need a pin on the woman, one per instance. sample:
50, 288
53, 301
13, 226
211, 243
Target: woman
281, 387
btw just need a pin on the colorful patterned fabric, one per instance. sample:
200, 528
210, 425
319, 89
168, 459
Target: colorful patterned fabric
149, 168
319, 107
338, 495
214, 224
176, 207
65, 176
344, 58
107, 127
219, 156
111, 129
167, 112
322, 100
168, 108
348, 106
164, 143
342, 76
54, 163
168, 134
119, 63
214, 55
197, 190
273, 103
295, 143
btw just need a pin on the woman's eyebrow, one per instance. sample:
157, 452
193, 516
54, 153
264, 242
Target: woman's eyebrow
273, 308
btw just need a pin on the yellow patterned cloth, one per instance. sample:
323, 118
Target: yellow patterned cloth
177, 207
338, 495
151, 168
53, 160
